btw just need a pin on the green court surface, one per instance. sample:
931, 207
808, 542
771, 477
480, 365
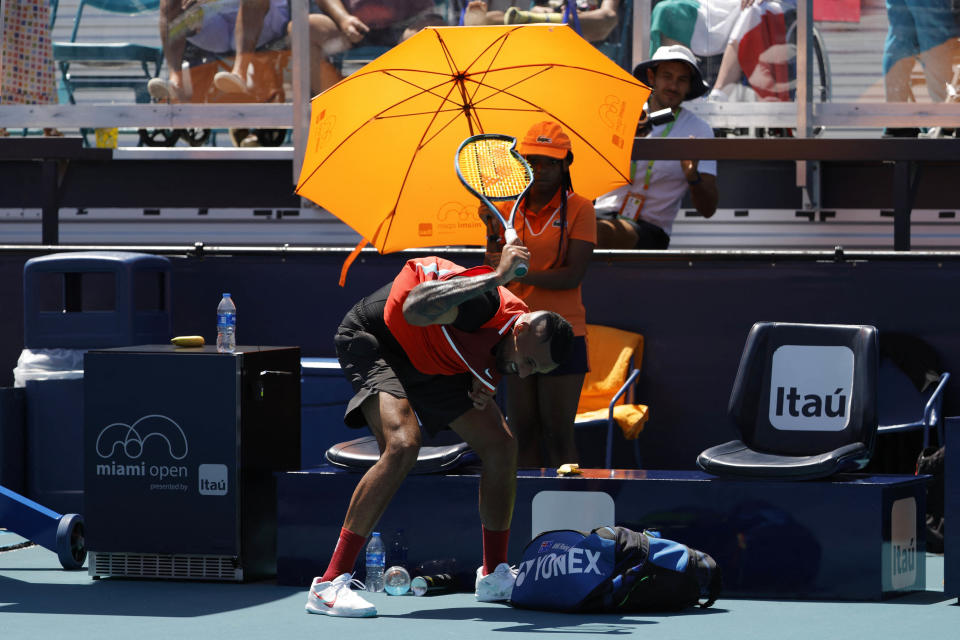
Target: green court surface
38, 599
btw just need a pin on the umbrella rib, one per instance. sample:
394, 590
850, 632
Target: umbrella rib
458, 78
448, 75
540, 69
424, 140
430, 90
379, 116
535, 107
453, 73
504, 90
564, 65
500, 42
567, 127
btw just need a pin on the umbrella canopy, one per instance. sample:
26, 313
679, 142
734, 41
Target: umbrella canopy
380, 155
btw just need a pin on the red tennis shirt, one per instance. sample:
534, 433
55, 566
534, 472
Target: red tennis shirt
444, 349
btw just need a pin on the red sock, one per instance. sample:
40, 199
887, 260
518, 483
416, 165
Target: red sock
495, 545
345, 554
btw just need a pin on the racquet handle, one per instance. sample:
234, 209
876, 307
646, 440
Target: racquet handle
510, 236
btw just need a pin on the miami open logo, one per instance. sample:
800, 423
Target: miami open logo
124, 445
811, 388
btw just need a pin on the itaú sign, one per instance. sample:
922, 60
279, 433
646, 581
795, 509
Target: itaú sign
811, 388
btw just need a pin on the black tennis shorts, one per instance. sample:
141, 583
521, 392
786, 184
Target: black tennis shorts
375, 363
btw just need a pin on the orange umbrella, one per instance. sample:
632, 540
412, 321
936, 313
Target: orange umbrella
380, 155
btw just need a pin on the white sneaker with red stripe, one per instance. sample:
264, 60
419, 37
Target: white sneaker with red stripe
337, 598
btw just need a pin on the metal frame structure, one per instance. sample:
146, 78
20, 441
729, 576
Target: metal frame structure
802, 115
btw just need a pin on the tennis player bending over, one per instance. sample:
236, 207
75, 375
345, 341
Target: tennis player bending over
435, 341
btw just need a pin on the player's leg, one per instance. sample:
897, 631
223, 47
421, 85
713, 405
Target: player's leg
487, 433
395, 427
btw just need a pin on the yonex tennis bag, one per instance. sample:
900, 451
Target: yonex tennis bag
613, 569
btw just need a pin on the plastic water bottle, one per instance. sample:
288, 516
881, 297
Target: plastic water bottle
226, 325
397, 554
376, 561
396, 581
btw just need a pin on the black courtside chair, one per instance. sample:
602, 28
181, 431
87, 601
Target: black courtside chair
438, 454
804, 403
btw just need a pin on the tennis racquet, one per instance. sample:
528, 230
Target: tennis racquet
489, 166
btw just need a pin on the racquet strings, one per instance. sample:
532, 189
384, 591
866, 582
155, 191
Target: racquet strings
490, 168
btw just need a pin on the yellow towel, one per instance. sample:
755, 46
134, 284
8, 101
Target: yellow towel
609, 351
631, 418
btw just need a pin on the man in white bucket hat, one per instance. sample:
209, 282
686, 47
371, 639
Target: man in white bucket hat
640, 215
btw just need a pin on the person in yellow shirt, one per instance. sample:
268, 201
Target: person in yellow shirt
559, 228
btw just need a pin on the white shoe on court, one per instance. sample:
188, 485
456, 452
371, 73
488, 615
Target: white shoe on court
336, 598
496, 586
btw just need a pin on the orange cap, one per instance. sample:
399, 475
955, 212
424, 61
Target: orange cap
545, 139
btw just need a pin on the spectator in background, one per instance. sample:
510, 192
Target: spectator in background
559, 227
256, 23
27, 73
219, 27
640, 215
597, 17
345, 24
924, 30
243, 26
751, 35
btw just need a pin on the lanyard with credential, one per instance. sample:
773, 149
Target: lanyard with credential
634, 201
633, 166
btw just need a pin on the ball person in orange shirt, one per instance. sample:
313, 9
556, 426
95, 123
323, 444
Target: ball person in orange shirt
559, 227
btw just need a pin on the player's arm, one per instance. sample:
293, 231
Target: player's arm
438, 301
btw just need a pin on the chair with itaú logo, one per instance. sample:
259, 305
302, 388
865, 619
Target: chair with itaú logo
804, 402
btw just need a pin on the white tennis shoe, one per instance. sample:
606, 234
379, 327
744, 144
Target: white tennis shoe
336, 598
496, 586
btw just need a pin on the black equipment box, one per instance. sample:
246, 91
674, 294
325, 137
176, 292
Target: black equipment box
181, 447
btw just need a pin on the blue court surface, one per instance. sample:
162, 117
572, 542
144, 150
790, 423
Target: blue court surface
38, 599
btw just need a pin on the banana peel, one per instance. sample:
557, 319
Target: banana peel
188, 341
569, 469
